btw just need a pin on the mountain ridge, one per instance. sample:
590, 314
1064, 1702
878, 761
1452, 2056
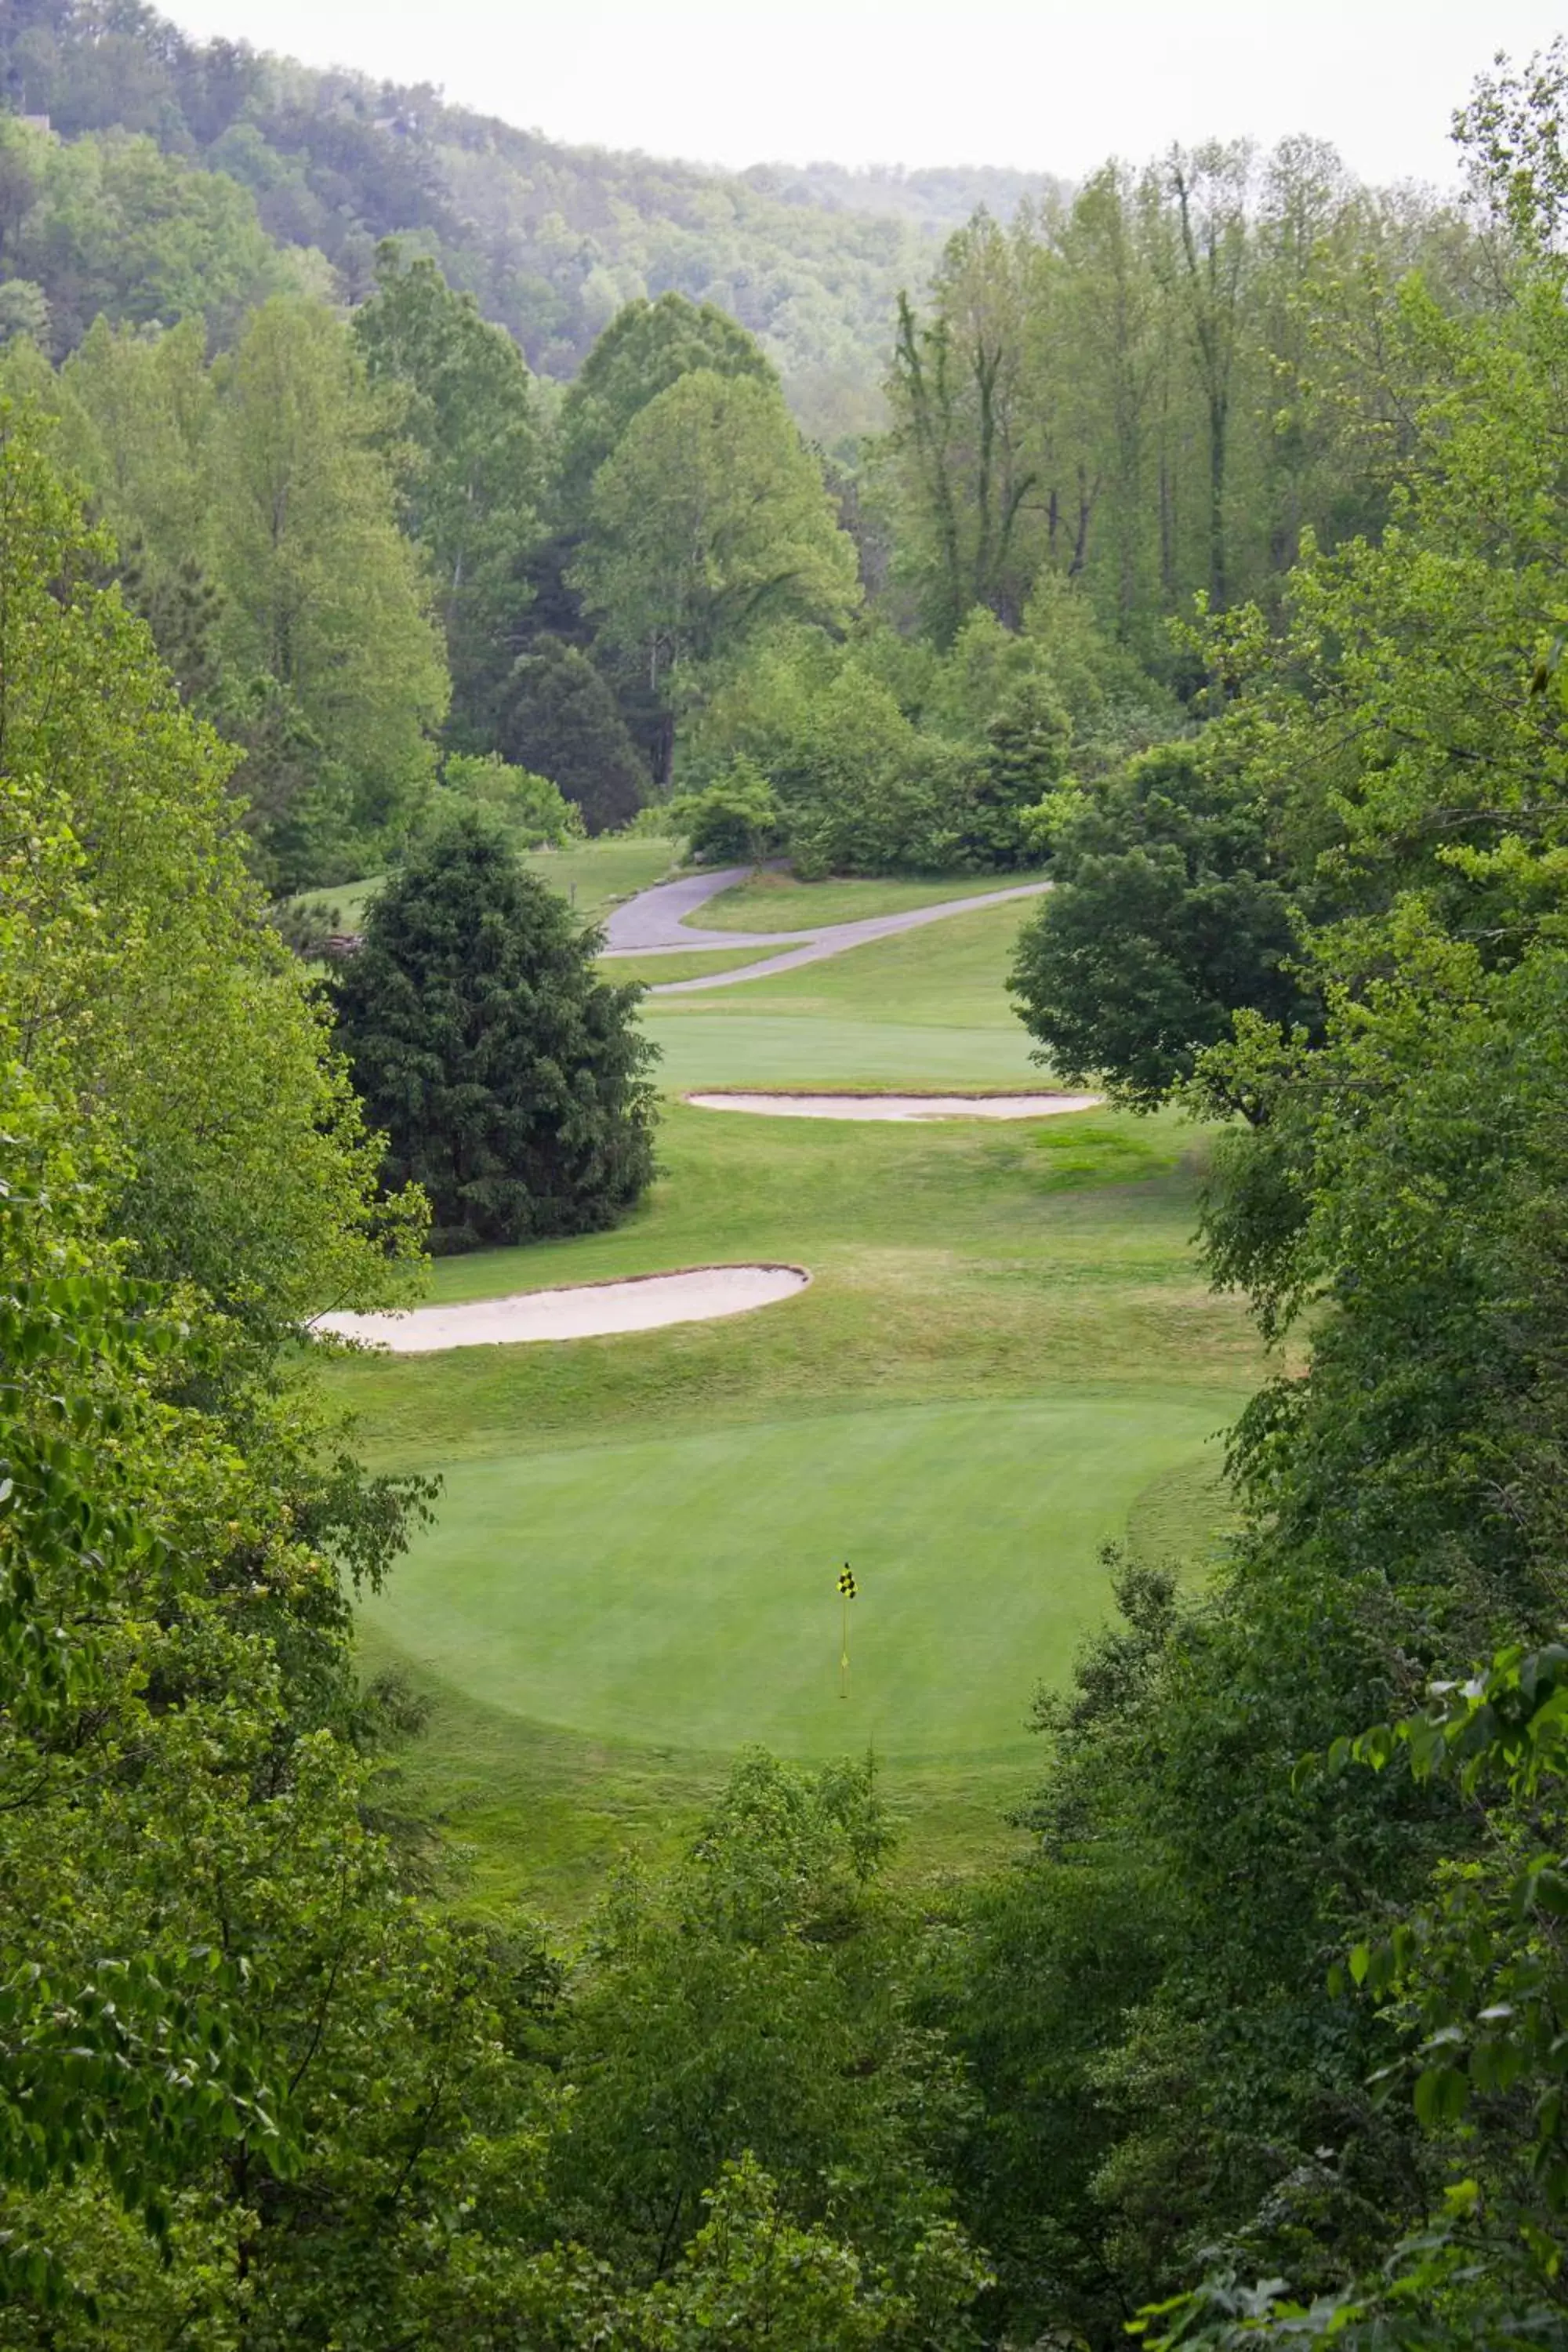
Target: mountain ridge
551, 238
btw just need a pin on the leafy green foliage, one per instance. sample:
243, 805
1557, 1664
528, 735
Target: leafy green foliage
110, 227
645, 347
529, 809
885, 758
510, 1078
736, 819
753, 2006
322, 595
141, 980
1171, 910
709, 520
1132, 392
470, 501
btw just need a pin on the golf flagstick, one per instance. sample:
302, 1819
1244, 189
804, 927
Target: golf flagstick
846, 1595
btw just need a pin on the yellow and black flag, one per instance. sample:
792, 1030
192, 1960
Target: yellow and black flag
846, 1594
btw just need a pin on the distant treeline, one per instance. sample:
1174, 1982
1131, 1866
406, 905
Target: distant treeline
551, 240
368, 540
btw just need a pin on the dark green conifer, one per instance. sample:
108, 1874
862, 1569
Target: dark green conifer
561, 720
510, 1079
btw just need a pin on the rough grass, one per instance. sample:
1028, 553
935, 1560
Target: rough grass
775, 900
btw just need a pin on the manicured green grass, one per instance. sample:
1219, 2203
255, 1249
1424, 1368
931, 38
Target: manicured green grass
594, 875
1005, 1354
926, 1008
597, 875
698, 965
345, 902
678, 1589
738, 1049
949, 1261
774, 900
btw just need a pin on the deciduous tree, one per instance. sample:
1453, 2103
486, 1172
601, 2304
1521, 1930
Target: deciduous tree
323, 596
711, 519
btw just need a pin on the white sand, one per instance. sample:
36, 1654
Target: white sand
900, 1106
584, 1312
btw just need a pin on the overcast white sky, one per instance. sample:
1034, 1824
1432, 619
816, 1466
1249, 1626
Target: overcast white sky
1055, 85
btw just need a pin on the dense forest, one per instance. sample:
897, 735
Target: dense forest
1209, 546
199, 174
372, 540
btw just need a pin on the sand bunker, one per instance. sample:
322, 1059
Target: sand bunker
900, 1106
586, 1312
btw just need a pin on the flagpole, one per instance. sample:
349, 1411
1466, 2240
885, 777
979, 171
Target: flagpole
844, 1652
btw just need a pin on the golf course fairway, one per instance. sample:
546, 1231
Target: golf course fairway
1007, 1357
680, 1589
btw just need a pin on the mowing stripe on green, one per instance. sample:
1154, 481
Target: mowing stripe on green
681, 1589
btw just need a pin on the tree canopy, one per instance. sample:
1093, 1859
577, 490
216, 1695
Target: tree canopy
559, 717
709, 520
1171, 909
471, 498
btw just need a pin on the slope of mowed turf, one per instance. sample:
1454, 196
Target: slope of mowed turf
697, 963
680, 1591
747, 1049
953, 1263
777, 901
926, 1008
949, 1261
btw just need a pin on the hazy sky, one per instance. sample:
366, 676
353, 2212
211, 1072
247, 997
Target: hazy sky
1049, 84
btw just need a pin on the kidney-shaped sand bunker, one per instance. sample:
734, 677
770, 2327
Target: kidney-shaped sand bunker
588, 1310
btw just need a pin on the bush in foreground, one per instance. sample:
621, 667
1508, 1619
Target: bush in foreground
509, 1079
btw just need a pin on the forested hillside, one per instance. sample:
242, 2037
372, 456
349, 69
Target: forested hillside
370, 540
1210, 555
184, 161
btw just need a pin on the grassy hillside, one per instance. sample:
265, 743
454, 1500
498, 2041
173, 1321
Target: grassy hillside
774, 900
594, 876
926, 1008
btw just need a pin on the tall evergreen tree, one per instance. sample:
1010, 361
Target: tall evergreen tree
560, 720
510, 1079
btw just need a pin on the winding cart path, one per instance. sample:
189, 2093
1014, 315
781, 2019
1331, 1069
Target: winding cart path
655, 923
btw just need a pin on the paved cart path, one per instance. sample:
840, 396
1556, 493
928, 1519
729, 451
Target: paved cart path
654, 923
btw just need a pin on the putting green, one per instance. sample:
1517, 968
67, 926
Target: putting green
679, 1589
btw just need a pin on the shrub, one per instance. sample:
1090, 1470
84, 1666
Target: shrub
533, 812
737, 818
